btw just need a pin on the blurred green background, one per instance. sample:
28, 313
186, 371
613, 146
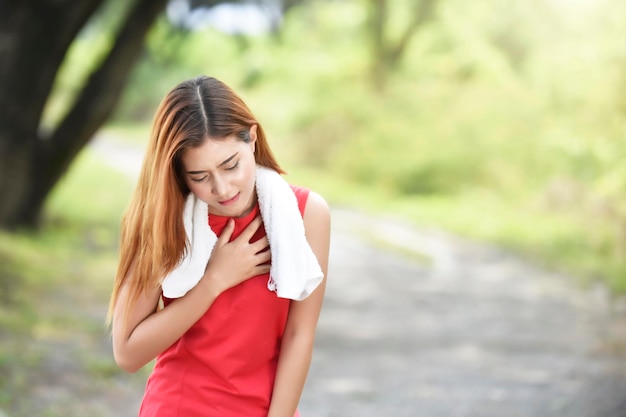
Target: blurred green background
500, 120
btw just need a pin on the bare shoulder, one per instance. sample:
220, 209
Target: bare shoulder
317, 211
317, 228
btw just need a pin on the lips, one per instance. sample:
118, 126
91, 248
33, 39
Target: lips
230, 200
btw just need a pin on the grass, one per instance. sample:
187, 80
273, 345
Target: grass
57, 283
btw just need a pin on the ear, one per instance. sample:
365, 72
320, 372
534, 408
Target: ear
253, 137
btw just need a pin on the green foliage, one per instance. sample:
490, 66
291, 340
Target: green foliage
511, 106
514, 107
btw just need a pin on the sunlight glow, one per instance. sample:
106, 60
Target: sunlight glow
232, 18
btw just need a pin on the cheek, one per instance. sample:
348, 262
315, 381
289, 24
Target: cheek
195, 188
249, 174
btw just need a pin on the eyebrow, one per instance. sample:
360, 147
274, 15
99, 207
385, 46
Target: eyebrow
227, 160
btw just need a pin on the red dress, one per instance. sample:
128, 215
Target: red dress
225, 364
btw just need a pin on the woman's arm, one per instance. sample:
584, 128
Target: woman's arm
141, 332
146, 332
297, 343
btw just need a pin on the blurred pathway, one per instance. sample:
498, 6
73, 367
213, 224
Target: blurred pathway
475, 332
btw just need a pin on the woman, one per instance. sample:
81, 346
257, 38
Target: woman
229, 347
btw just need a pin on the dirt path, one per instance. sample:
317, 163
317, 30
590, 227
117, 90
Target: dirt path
474, 332
477, 332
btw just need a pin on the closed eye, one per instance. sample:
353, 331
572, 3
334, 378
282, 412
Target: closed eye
233, 167
199, 179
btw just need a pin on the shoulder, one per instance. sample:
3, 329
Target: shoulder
317, 227
310, 202
317, 211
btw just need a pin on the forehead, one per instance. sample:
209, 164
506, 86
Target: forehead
211, 153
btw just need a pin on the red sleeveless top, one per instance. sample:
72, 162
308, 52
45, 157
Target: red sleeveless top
225, 364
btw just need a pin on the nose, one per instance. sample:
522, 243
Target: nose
218, 186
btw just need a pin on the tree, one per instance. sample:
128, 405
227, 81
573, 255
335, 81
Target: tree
387, 53
34, 39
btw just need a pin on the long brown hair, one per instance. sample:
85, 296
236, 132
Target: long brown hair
152, 233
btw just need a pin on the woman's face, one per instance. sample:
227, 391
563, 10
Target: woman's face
222, 174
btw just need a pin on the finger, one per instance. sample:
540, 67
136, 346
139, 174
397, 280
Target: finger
260, 245
261, 269
251, 229
263, 257
227, 232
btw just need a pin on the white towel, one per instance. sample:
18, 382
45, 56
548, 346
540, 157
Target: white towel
294, 272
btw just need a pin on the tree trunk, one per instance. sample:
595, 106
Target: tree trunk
34, 37
32, 162
378, 18
386, 54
